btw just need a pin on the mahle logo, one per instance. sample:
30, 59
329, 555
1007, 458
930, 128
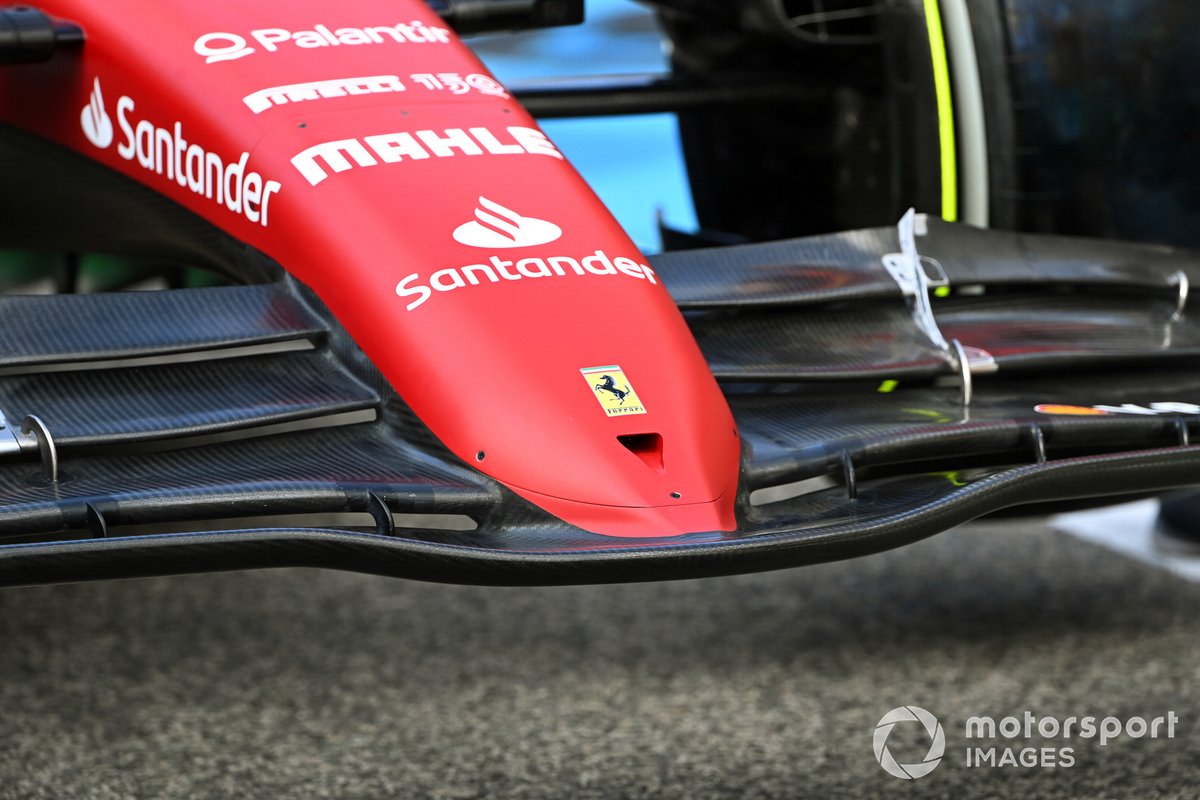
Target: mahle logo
497, 226
937, 745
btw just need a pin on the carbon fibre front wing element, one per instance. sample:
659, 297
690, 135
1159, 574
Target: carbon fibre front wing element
888, 384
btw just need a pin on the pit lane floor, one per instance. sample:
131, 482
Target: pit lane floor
311, 684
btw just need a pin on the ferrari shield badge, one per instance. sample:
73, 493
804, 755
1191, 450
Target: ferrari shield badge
613, 390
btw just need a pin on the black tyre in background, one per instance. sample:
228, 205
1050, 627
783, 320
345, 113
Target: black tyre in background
1092, 115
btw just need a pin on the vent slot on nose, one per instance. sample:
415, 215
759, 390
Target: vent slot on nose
646, 446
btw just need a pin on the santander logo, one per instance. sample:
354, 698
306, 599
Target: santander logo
495, 226
97, 125
163, 150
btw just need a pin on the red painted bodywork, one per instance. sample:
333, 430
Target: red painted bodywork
493, 368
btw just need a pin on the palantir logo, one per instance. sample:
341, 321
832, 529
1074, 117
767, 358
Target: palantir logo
496, 226
221, 46
97, 125
937, 746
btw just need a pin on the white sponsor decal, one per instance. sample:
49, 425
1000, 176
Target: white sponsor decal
217, 47
457, 83
498, 269
264, 99
1153, 410
224, 46
166, 152
497, 226
315, 162
452, 82
97, 125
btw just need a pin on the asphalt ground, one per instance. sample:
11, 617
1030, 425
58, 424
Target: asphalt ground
313, 684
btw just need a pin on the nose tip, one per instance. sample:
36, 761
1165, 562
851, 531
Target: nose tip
676, 517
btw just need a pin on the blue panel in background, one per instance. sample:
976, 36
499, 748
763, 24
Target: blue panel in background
633, 163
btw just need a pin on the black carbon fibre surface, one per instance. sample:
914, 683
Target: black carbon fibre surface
882, 340
817, 269
64, 328
848, 266
327, 470
110, 406
869, 339
826, 307
804, 431
1040, 330
972, 255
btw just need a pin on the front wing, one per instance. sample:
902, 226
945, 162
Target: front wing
889, 384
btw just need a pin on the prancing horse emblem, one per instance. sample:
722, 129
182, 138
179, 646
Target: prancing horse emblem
607, 384
616, 394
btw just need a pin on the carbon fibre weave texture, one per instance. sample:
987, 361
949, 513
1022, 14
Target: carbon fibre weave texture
794, 344
820, 269
879, 339
972, 255
300, 472
110, 406
827, 307
72, 328
847, 266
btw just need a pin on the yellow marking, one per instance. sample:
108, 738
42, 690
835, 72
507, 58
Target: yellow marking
936, 416
613, 390
954, 477
945, 105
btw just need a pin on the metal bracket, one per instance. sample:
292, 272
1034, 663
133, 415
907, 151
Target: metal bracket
377, 507
916, 275
964, 372
908, 271
1038, 438
849, 475
46, 447
94, 519
1180, 279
